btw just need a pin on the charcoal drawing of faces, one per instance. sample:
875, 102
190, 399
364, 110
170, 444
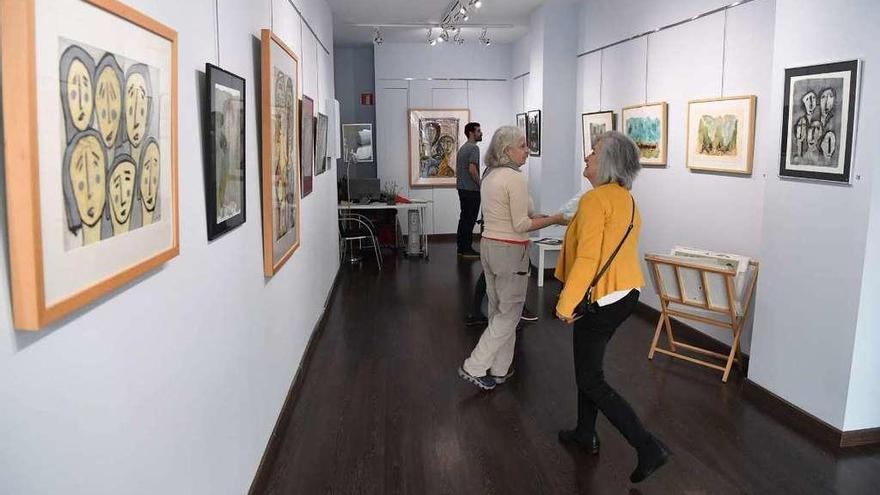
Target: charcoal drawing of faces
84, 185
77, 69
826, 103
828, 144
148, 186
814, 134
108, 100
121, 184
138, 101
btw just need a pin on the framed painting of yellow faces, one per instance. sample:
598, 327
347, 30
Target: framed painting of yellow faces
434, 138
90, 105
280, 151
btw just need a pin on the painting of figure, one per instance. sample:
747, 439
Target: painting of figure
307, 146
533, 132
819, 121
646, 125
357, 143
593, 125
434, 138
721, 134
107, 115
281, 142
321, 124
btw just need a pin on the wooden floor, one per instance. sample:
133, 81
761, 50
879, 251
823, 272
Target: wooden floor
382, 410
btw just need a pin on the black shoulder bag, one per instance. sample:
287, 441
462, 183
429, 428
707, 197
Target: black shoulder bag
587, 305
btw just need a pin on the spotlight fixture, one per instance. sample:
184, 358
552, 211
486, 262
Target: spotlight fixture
484, 39
377, 39
458, 39
462, 9
478, 4
431, 40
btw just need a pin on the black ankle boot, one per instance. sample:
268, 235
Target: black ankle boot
652, 456
572, 437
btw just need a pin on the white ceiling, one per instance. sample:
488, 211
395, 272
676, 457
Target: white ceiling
347, 12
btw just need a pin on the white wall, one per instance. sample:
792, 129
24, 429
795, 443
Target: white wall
174, 383
402, 73
815, 237
680, 207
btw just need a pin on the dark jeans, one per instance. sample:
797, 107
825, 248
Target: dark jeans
591, 335
470, 208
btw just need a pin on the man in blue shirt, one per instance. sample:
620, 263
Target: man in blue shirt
467, 181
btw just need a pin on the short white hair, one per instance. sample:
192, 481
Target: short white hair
618, 160
505, 137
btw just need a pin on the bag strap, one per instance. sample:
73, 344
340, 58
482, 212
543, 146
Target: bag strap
608, 263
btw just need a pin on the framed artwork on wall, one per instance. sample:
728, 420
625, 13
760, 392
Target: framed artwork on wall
818, 121
646, 125
321, 144
521, 123
307, 144
434, 138
224, 151
357, 143
533, 132
593, 125
91, 151
280, 151
721, 134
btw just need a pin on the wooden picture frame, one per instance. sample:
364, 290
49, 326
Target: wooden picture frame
533, 132
307, 144
721, 134
111, 214
434, 138
819, 115
594, 124
224, 122
280, 151
647, 126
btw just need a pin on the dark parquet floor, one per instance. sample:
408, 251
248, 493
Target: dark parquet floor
382, 410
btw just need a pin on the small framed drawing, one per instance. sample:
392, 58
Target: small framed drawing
307, 144
646, 125
321, 144
818, 121
521, 122
434, 138
279, 95
91, 151
533, 132
357, 143
721, 134
593, 125
224, 151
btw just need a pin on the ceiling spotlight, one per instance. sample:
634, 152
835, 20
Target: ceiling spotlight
465, 18
484, 39
431, 40
444, 36
377, 39
462, 10
458, 39
478, 4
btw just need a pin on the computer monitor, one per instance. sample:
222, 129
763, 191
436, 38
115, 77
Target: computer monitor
363, 190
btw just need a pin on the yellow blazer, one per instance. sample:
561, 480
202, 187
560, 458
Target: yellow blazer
598, 226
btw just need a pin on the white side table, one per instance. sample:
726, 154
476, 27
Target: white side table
542, 250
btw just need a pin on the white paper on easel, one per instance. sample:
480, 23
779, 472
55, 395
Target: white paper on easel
739, 263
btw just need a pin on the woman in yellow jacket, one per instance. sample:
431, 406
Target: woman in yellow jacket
606, 216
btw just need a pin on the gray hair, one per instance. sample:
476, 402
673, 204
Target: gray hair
505, 137
618, 160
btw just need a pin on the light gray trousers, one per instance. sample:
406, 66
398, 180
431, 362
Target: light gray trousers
506, 267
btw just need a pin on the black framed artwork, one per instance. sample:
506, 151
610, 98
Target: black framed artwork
818, 121
224, 151
521, 123
307, 144
321, 124
533, 132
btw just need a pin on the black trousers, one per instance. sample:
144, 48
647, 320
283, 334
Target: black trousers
470, 208
591, 336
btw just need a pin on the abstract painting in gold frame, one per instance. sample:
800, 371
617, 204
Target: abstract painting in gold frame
90, 112
280, 152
